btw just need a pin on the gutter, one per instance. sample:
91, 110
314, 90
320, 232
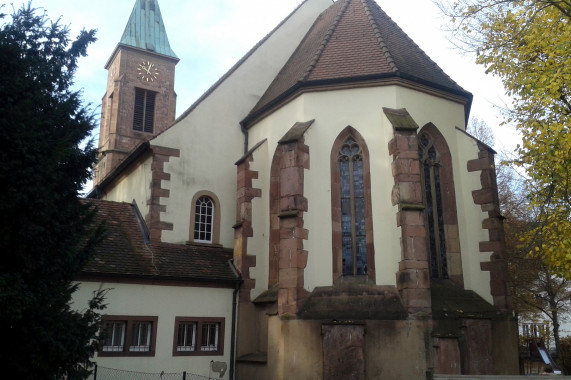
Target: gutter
237, 285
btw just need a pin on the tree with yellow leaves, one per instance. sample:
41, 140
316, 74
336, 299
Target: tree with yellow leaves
527, 43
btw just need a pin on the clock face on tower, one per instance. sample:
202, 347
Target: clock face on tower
147, 71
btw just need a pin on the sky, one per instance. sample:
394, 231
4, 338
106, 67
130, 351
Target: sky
210, 36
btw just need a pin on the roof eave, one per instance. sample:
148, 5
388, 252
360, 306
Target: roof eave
84, 275
368, 80
124, 46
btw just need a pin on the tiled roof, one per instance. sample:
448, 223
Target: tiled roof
354, 41
146, 29
126, 253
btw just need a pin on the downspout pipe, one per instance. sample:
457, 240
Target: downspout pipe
245, 132
237, 285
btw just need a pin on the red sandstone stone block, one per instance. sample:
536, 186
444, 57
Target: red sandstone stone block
290, 246
496, 234
410, 218
289, 159
488, 179
286, 233
392, 146
410, 154
485, 154
161, 159
291, 181
241, 181
155, 234
483, 196
165, 151
295, 202
414, 231
292, 259
399, 166
417, 300
302, 259
413, 264
409, 192
490, 223
165, 226
489, 207
289, 222
301, 233
244, 295
479, 164
450, 217
491, 246
407, 178
158, 176
414, 248
304, 160
291, 278
413, 279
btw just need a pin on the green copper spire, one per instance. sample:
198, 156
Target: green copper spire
146, 29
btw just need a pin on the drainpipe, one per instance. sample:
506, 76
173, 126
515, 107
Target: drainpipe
237, 285
245, 132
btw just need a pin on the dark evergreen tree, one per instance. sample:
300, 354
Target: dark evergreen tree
46, 233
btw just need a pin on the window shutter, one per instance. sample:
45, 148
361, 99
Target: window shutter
149, 112
139, 109
144, 111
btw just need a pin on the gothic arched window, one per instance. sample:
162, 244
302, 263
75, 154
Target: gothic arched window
431, 162
354, 247
351, 207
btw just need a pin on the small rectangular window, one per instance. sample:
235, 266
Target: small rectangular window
128, 336
210, 336
114, 333
198, 336
186, 340
141, 337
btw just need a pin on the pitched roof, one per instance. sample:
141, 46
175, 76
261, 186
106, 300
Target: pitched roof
146, 29
126, 252
354, 41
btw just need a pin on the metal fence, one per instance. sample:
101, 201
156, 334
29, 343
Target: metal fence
104, 373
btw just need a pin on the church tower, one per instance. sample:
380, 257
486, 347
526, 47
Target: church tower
140, 100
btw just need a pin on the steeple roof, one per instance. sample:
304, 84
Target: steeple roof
146, 29
354, 41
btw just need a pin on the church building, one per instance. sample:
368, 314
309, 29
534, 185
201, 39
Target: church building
319, 213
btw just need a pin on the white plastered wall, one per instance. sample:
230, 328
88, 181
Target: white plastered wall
167, 303
470, 217
136, 186
362, 109
209, 136
258, 245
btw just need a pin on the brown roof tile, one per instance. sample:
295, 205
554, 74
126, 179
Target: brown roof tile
125, 252
353, 41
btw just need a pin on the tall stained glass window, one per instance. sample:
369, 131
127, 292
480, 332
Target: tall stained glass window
431, 168
354, 245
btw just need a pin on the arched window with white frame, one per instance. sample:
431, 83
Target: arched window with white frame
205, 218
